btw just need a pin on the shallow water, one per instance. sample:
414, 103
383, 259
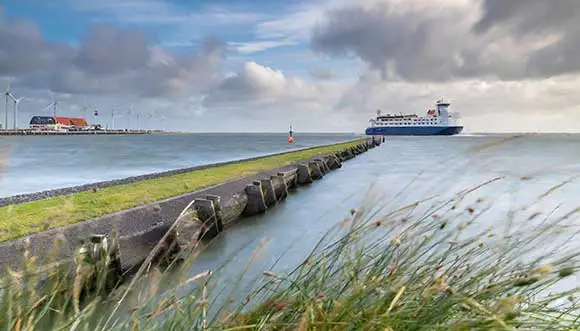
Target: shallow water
529, 173
38, 163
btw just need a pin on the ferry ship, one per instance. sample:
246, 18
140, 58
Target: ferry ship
438, 122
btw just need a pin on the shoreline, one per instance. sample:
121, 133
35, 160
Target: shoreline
140, 228
30, 132
29, 217
51, 193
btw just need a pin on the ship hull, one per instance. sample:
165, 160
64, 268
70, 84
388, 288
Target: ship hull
415, 131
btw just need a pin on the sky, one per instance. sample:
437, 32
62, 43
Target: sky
319, 65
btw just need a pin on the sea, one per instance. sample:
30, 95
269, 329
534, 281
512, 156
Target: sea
506, 180
31, 164
509, 170
502, 183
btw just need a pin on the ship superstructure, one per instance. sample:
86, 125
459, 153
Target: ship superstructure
438, 121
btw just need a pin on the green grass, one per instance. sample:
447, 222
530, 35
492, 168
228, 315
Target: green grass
398, 269
24, 219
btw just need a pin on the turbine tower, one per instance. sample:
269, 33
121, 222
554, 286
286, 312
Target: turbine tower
131, 112
85, 110
113, 119
8, 95
46, 108
16, 103
151, 114
163, 122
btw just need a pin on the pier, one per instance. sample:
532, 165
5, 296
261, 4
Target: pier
30, 132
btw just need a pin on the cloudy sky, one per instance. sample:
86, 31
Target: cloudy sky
320, 65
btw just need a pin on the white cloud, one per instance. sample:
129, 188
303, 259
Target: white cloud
259, 98
186, 27
260, 94
322, 74
256, 84
259, 45
495, 106
158, 12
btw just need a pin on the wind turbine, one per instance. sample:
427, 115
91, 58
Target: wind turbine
85, 109
131, 111
16, 103
113, 116
151, 114
7, 95
163, 122
54, 103
15, 108
44, 110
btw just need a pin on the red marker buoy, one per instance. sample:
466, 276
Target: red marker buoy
290, 138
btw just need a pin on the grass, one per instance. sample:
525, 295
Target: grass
36, 216
408, 268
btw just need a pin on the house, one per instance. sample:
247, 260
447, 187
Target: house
71, 123
55, 123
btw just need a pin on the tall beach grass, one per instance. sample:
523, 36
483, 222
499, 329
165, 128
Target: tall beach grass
424, 266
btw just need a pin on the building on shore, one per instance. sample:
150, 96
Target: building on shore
59, 123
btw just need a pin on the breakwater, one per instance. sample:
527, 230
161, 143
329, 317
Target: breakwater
138, 230
29, 132
28, 197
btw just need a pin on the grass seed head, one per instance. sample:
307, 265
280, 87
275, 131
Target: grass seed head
565, 272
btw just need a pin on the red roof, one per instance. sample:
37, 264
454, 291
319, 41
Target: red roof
71, 121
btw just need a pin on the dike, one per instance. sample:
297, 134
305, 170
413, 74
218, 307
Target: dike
137, 231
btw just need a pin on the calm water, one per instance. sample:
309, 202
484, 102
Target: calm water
403, 171
33, 164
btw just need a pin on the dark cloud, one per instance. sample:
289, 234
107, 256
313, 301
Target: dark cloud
510, 41
408, 45
23, 48
107, 61
529, 16
106, 50
154, 72
525, 18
